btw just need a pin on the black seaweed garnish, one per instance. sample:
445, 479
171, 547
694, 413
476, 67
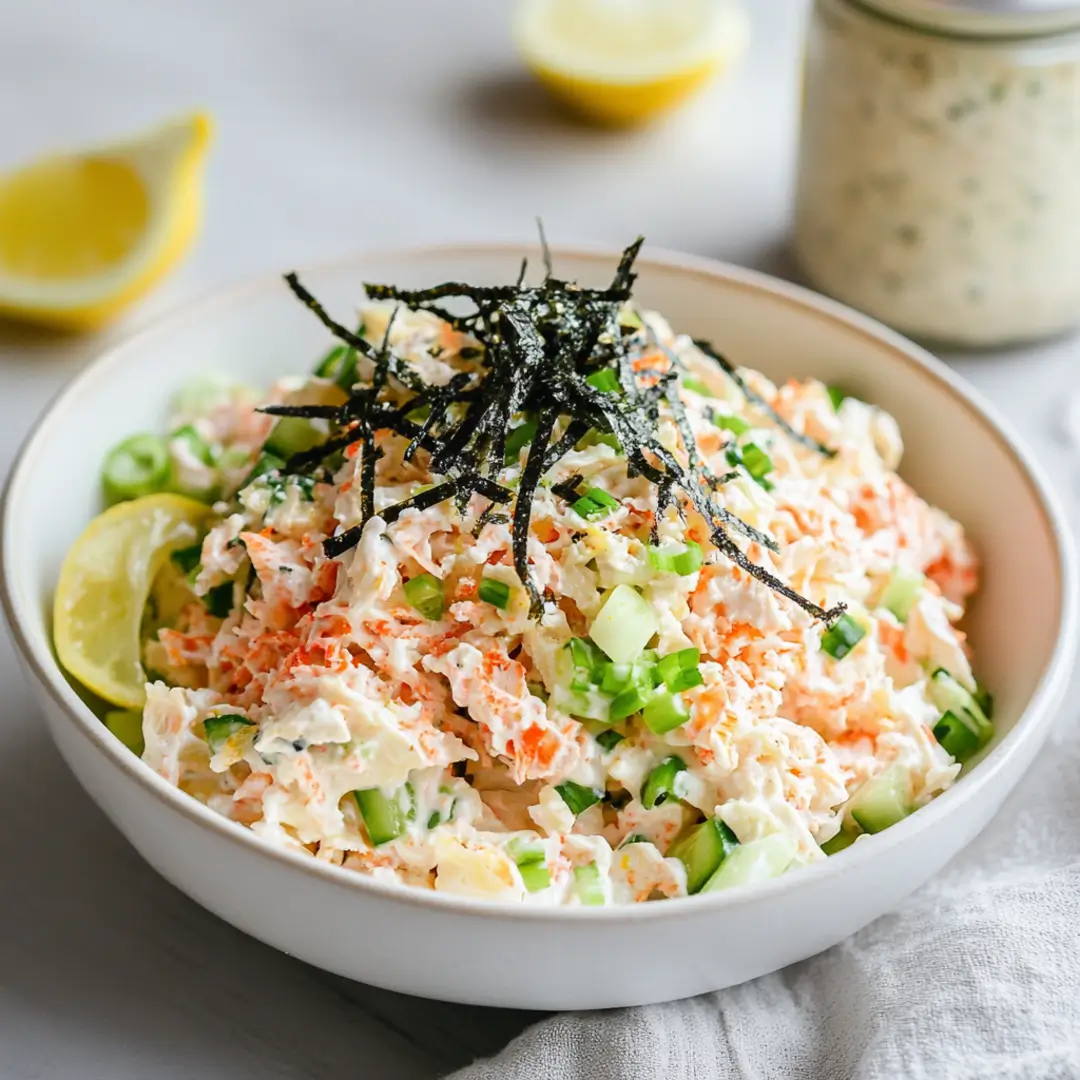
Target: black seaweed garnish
538, 350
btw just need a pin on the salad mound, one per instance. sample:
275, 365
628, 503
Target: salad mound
521, 594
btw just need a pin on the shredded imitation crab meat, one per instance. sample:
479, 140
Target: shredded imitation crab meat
457, 721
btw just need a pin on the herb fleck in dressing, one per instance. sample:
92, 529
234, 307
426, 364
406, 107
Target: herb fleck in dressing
938, 177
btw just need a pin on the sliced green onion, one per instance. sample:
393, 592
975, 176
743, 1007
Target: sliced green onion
577, 796
434, 820
686, 680
674, 663
126, 725
754, 460
883, 800
531, 863
616, 677
684, 563
901, 592
595, 503
728, 422
384, 818
138, 466
604, 380
524, 852
843, 839
624, 625
634, 838
419, 414
664, 712
702, 850
950, 696
495, 592
697, 386
631, 700
588, 664
758, 463
956, 737
836, 396
535, 876
689, 561
219, 729
519, 438
196, 445
842, 637
659, 785
187, 559
588, 885
425, 594
609, 739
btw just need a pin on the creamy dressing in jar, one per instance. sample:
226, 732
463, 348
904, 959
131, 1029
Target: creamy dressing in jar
939, 174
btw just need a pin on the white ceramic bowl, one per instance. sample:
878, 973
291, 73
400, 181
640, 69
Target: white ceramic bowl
959, 456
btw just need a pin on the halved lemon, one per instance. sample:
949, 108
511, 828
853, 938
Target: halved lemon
103, 588
83, 234
624, 61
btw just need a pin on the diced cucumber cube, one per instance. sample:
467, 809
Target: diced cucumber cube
883, 800
750, 863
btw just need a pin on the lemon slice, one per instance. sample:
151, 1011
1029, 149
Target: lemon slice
624, 61
103, 587
83, 234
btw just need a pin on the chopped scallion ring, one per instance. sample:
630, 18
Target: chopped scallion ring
578, 797
728, 422
837, 397
425, 594
588, 885
842, 637
519, 438
664, 711
494, 592
609, 739
675, 664
659, 785
956, 738
138, 466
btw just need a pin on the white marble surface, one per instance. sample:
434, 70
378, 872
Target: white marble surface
342, 125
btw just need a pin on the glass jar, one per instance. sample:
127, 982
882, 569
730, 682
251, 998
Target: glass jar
939, 166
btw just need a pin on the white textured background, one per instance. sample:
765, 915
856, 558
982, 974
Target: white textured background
341, 125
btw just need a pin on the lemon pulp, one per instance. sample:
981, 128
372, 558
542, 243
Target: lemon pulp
69, 217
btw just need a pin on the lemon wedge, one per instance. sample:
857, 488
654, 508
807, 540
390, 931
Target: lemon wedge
83, 234
625, 61
103, 588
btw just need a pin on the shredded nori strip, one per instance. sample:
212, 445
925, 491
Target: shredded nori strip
535, 347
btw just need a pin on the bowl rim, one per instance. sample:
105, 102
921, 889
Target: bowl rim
1036, 716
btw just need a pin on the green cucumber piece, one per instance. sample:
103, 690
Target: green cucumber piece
702, 850
385, 818
901, 592
843, 839
949, 696
588, 885
957, 736
624, 625
758, 860
883, 800
292, 435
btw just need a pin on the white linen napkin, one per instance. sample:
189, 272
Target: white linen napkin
976, 977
